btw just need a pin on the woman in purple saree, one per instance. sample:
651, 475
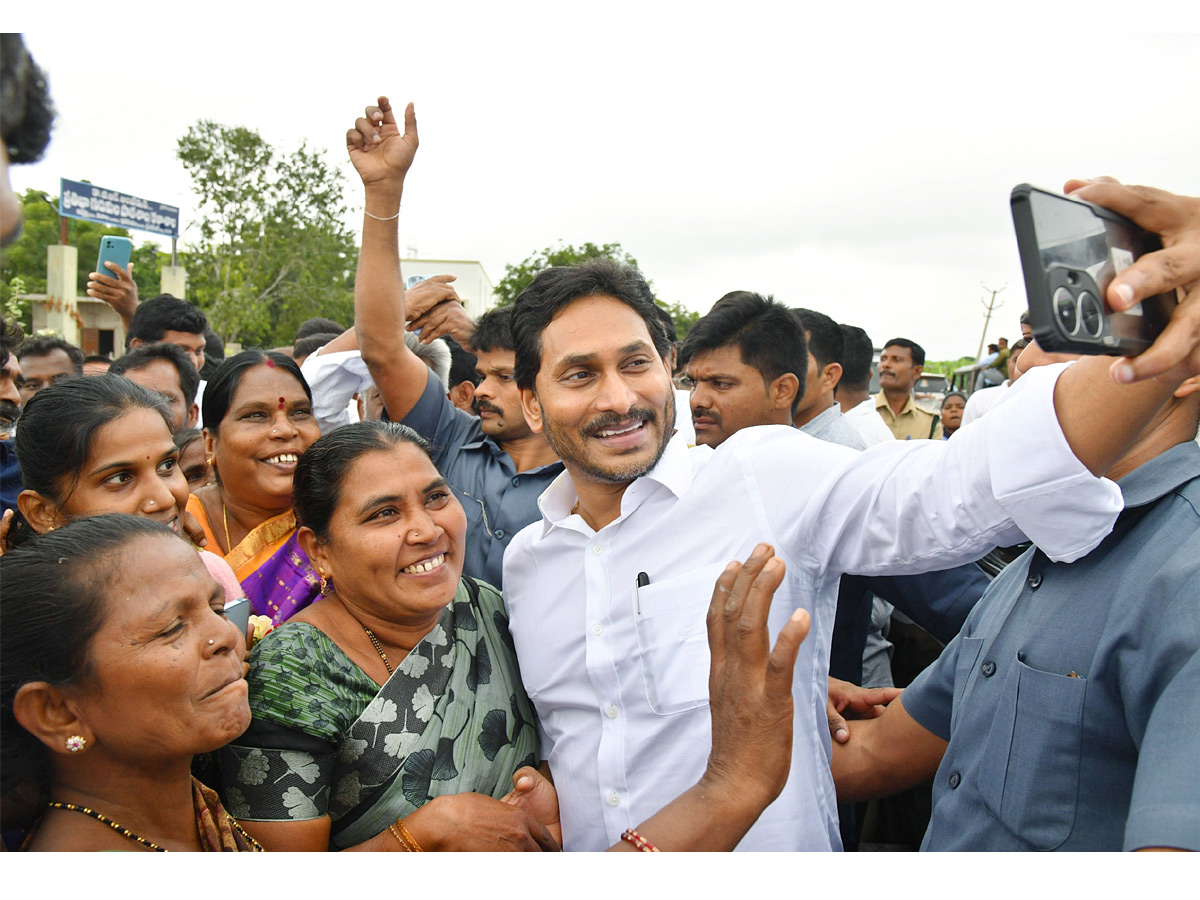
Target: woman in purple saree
258, 423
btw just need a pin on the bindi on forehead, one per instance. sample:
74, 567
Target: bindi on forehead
282, 402
270, 363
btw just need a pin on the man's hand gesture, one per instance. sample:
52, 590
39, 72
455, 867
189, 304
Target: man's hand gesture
378, 151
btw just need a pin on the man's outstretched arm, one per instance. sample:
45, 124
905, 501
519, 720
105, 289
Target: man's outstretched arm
885, 755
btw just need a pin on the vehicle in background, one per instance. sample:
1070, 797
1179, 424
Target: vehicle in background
930, 390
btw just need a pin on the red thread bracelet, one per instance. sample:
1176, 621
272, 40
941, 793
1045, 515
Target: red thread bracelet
640, 843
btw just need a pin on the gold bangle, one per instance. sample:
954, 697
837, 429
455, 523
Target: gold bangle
409, 839
396, 835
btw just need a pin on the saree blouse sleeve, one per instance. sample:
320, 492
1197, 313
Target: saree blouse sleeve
304, 695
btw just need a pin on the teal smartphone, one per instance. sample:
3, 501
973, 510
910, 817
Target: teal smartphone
113, 249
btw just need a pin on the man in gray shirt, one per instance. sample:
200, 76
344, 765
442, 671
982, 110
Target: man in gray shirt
1064, 715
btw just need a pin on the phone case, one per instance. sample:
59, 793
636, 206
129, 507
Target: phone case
1066, 280
113, 249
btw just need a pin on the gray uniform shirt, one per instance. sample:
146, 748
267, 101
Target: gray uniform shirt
1070, 697
499, 501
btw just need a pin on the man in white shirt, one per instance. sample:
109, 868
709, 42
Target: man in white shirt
853, 391
607, 593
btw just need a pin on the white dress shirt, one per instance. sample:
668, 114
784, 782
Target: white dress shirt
334, 379
982, 401
619, 676
864, 419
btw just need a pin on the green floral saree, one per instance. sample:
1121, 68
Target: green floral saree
327, 740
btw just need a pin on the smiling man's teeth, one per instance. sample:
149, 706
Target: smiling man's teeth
284, 459
425, 565
610, 432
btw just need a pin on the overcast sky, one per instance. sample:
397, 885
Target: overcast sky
865, 174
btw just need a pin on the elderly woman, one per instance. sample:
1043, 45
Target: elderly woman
117, 667
258, 422
391, 715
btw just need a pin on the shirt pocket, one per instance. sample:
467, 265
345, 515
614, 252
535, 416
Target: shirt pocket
1033, 756
673, 639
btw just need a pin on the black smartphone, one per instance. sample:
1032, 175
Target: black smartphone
1070, 252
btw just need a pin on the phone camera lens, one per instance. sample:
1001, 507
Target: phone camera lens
1064, 308
1089, 312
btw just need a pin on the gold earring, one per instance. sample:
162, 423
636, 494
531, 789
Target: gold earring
76, 743
324, 583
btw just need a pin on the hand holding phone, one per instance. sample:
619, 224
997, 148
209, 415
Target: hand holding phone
1070, 252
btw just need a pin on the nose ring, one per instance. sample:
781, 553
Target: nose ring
211, 642
150, 504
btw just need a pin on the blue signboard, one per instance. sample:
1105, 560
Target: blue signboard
79, 200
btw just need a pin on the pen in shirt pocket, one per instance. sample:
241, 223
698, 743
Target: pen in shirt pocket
642, 580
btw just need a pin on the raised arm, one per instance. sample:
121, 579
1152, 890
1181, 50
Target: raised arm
1102, 404
382, 155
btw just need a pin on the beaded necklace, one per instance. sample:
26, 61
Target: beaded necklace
125, 832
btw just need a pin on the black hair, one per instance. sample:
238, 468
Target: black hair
307, 346
317, 482
26, 112
918, 352
56, 595
218, 393
825, 341
97, 358
1020, 344
769, 335
213, 345
158, 315
45, 344
317, 325
58, 426
493, 331
1025, 317
554, 289
667, 323
857, 356
462, 364
185, 436
140, 357
11, 336
954, 394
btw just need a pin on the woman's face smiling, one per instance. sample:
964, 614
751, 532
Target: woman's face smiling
166, 678
133, 467
396, 538
268, 427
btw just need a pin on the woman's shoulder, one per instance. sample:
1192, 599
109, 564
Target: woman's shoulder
296, 670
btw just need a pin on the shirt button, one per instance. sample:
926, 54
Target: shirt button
597, 629
614, 799
611, 712
597, 550
955, 780
988, 668
1035, 580
516, 481
499, 532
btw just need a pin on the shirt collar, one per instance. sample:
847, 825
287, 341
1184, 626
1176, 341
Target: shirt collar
1155, 479
909, 404
673, 471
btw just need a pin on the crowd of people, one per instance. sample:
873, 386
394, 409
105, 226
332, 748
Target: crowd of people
493, 581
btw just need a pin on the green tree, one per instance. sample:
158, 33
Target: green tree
25, 259
517, 278
271, 249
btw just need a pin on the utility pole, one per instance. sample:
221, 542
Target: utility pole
991, 306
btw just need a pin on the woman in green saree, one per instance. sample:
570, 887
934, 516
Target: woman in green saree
396, 696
